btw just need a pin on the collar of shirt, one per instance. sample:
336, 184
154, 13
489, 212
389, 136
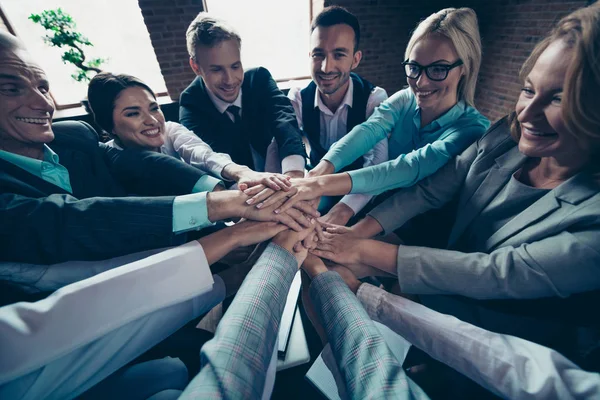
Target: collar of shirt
48, 169
443, 121
222, 105
347, 100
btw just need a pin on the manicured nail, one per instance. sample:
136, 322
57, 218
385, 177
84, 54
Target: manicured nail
259, 205
247, 191
249, 201
318, 214
312, 221
277, 211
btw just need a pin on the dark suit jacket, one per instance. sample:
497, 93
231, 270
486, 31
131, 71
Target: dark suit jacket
266, 114
43, 224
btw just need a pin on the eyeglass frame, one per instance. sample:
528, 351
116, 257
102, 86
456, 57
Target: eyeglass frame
422, 68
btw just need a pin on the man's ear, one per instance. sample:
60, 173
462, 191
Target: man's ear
356, 59
194, 66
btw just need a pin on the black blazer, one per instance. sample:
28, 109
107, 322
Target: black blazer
266, 114
43, 224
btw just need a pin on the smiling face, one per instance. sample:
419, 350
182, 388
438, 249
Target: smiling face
221, 69
26, 107
435, 96
333, 57
539, 111
137, 119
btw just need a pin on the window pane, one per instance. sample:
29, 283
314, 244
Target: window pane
275, 33
120, 37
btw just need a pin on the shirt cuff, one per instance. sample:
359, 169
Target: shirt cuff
370, 297
356, 201
206, 183
294, 162
190, 212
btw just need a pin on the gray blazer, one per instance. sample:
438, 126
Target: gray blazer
549, 249
539, 275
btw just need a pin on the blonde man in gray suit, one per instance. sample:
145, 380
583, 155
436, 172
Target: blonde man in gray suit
526, 237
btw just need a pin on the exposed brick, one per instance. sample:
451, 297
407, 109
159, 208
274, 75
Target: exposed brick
509, 29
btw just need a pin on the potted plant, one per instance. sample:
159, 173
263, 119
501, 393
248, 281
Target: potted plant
62, 33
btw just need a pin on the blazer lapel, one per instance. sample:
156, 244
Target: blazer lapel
495, 179
206, 104
573, 191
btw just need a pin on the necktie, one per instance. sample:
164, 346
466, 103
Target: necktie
240, 152
235, 111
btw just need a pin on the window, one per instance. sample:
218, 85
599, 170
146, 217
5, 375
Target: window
116, 29
275, 33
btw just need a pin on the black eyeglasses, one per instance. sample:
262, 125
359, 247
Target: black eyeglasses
435, 72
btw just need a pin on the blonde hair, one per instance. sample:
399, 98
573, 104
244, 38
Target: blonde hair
208, 31
580, 31
461, 28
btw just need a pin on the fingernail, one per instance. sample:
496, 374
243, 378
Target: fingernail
249, 201
318, 214
247, 191
312, 221
259, 205
277, 211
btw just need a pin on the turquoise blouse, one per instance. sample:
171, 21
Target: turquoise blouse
415, 152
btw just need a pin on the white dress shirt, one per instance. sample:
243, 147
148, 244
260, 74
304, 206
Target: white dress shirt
293, 162
508, 366
62, 345
333, 126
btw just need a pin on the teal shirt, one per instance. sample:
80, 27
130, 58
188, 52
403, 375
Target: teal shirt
415, 152
47, 169
189, 211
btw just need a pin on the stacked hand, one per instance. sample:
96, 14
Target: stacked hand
341, 248
273, 181
303, 189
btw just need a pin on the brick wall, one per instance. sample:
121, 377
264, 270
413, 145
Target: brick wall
167, 22
509, 28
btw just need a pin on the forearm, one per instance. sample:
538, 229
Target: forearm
367, 227
234, 363
530, 270
383, 256
234, 172
218, 244
225, 204
366, 363
508, 366
332, 185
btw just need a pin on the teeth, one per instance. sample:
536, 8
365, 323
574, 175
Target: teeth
328, 78
37, 121
538, 133
426, 93
150, 132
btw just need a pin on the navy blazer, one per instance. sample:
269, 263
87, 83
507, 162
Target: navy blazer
43, 224
266, 114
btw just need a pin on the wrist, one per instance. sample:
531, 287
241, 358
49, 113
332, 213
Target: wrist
323, 168
343, 210
362, 248
225, 204
234, 172
295, 174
